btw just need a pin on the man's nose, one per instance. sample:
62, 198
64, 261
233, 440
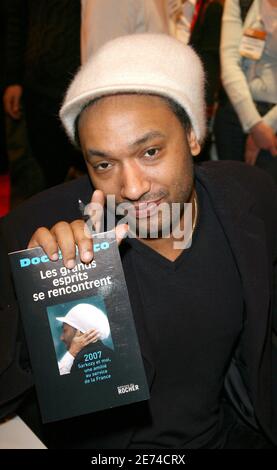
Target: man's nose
134, 183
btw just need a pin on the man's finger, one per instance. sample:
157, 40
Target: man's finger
47, 241
98, 196
92, 338
95, 339
85, 244
95, 210
91, 332
94, 334
121, 232
65, 238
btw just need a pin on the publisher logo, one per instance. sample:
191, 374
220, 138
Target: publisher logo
127, 388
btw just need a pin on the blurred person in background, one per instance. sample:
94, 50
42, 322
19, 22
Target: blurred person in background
198, 23
181, 15
103, 20
205, 39
246, 120
42, 55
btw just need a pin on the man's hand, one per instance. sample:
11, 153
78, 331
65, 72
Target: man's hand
264, 137
11, 100
81, 340
65, 236
251, 151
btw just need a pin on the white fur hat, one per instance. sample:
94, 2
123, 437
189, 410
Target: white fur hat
150, 63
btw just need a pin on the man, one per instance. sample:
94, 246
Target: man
203, 314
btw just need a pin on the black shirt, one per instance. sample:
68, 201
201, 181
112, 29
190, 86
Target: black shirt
193, 313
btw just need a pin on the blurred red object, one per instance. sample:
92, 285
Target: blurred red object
5, 194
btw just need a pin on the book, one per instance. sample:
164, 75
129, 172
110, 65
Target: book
61, 308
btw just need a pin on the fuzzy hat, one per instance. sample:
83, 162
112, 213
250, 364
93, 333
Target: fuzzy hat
84, 317
150, 63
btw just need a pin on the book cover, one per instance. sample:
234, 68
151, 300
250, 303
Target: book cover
62, 309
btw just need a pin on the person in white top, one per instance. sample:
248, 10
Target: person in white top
103, 20
249, 76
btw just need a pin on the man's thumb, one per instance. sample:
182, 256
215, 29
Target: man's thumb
121, 232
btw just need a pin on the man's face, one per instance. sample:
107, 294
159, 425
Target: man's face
136, 149
68, 333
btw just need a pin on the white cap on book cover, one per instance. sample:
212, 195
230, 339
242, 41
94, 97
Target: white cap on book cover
85, 317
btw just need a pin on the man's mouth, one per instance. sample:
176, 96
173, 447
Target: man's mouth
146, 209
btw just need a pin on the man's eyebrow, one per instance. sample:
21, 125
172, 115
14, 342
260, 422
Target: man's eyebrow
140, 141
97, 153
146, 137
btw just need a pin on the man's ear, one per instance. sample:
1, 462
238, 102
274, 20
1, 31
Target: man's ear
193, 143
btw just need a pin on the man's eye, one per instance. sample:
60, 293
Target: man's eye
102, 166
151, 152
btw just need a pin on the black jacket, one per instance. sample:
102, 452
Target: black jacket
245, 200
